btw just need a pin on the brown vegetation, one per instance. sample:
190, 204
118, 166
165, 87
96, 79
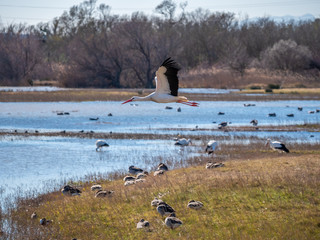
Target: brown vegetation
257, 197
88, 46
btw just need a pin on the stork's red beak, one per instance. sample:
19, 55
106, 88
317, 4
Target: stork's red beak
130, 100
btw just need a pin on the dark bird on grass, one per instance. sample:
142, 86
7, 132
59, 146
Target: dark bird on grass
164, 208
129, 178
103, 193
158, 172
134, 170
172, 221
210, 165
275, 145
70, 191
167, 84
162, 166
100, 144
96, 187
211, 146
142, 175
195, 204
44, 221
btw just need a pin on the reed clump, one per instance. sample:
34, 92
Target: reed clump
271, 197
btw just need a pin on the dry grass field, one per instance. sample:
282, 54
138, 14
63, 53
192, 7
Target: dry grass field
258, 194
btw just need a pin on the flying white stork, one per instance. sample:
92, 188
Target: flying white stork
167, 84
100, 144
275, 145
211, 146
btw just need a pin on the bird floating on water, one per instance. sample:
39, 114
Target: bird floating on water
275, 145
167, 84
254, 122
183, 142
211, 146
100, 144
172, 221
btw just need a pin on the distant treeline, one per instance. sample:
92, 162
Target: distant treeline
90, 47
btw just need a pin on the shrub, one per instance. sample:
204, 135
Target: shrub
286, 55
273, 86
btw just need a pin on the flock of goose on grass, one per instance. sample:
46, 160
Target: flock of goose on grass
138, 175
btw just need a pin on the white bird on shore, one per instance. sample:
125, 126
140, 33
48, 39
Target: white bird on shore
172, 221
211, 146
275, 145
167, 84
183, 142
100, 144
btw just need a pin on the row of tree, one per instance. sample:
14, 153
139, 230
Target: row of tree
90, 47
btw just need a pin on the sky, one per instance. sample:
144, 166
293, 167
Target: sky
34, 11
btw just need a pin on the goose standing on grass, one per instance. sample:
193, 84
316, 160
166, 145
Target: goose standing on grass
100, 144
167, 84
96, 187
172, 221
183, 142
164, 208
275, 145
103, 193
162, 166
155, 202
134, 170
211, 146
195, 204
143, 224
70, 191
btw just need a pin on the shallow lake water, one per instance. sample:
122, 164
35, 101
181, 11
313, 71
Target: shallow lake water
40, 164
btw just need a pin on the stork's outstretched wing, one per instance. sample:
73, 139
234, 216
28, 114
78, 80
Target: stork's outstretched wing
167, 77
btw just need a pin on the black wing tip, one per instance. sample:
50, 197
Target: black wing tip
170, 63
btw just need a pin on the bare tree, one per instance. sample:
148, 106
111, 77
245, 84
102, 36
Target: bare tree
20, 52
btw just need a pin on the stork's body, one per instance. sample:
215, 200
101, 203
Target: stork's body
211, 146
100, 144
275, 145
167, 84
